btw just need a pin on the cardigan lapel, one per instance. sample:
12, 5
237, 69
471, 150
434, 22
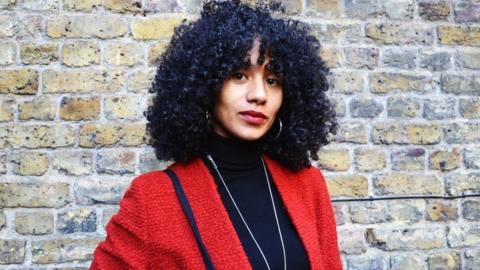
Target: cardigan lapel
213, 221
292, 192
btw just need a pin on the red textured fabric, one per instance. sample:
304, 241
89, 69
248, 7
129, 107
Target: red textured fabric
150, 230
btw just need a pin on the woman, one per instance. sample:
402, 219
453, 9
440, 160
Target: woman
240, 106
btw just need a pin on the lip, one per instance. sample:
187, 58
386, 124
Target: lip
254, 118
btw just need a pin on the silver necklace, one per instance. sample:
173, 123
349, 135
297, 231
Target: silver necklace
244, 222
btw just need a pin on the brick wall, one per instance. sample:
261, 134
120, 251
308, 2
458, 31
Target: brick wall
73, 85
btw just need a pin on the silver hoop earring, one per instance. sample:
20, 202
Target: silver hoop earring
279, 129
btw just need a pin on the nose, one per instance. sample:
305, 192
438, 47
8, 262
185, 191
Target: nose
256, 91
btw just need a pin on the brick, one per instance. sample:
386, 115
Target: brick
339, 106
384, 83
19, 81
361, 58
3, 170
8, 4
409, 159
31, 28
335, 33
351, 132
399, 33
80, 54
3, 220
439, 108
370, 159
434, 61
423, 133
156, 50
7, 109
347, 82
459, 183
471, 158
124, 6
387, 133
77, 220
34, 194
73, 162
124, 107
471, 209
86, 26
459, 35
438, 210
38, 108
8, 24
162, 6
48, 5
367, 262
334, 159
124, 54
154, 28
352, 241
30, 163
63, 250
81, 5
363, 9
116, 161
348, 185
444, 260
464, 236
339, 210
98, 81
41, 136
79, 108
140, 81
94, 191
324, 8
399, 57
467, 11
368, 212
39, 54
407, 261
4, 134
406, 238
403, 183
13, 251
460, 133
403, 106
7, 53
331, 56
34, 223
472, 259
461, 84
405, 211
434, 11
365, 107
470, 107
399, 9
149, 162
468, 59
127, 134
445, 159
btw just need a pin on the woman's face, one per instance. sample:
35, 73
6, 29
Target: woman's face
248, 101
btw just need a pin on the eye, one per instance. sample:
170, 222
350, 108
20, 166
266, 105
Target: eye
273, 81
237, 75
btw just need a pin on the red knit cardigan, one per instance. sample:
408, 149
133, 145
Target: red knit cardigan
150, 230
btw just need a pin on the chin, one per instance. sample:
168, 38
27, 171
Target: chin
250, 135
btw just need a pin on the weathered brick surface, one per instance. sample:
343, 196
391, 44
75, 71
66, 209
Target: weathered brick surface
74, 81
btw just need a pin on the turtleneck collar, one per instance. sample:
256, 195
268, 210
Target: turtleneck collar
234, 154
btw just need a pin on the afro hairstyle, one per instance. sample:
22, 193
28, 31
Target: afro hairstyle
203, 53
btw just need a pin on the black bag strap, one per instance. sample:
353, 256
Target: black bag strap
188, 212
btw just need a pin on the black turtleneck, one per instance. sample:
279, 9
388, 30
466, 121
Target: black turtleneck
240, 165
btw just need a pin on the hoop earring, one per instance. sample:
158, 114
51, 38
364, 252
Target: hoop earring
279, 129
207, 116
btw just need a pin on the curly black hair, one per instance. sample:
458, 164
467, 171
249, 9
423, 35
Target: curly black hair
203, 53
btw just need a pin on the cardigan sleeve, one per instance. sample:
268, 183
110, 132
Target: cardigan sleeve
126, 235
327, 227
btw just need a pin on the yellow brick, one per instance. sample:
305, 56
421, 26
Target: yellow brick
39, 108
124, 5
60, 81
334, 159
127, 54
79, 108
42, 54
81, 5
423, 133
80, 54
154, 28
86, 26
459, 35
348, 185
28, 163
19, 81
